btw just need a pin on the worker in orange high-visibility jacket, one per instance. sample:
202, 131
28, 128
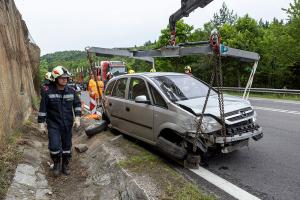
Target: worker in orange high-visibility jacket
92, 87
101, 87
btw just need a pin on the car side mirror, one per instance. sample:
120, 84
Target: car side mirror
142, 99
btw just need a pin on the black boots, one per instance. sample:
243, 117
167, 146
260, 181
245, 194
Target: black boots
57, 166
61, 165
65, 166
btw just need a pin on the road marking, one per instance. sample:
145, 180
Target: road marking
226, 186
277, 110
276, 101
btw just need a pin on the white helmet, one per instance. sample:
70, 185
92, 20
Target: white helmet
60, 71
109, 74
48, 76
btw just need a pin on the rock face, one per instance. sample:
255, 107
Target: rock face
19, 66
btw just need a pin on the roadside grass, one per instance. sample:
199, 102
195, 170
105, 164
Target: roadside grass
172, 184
9, 157
267, 96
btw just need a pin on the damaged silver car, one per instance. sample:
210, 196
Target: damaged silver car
163, 109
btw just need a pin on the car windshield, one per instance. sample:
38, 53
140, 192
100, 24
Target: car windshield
118, 70
181, 87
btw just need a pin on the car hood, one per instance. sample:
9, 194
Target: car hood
231, 103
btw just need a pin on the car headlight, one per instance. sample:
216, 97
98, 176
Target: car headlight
208, 125
254, 117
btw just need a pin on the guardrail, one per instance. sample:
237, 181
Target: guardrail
264, 90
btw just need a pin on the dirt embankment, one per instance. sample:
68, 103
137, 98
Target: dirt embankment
113, 167
19, 66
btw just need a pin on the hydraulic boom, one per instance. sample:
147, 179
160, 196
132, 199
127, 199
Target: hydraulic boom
187, 6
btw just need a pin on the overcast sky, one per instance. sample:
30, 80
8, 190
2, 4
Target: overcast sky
58, 25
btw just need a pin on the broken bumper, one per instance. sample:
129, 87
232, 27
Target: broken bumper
256, 134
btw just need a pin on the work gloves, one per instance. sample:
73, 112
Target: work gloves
42, 128
77, 122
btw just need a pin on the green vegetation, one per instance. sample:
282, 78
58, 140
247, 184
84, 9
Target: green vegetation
188, 192
276, 42
9, 157
173, 185
138, 162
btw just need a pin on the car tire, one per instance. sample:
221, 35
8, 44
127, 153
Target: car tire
171, 149
96, 128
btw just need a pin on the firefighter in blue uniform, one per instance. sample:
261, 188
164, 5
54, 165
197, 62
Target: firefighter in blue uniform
48, 80
58, 103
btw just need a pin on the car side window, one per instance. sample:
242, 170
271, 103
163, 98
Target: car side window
119, 88
108, 91
157, 98
137, 87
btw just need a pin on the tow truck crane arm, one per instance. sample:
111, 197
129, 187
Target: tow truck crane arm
187, 6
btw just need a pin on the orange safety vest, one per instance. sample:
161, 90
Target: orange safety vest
92, 87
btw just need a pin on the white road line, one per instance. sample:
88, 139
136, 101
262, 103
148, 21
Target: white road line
226, 186
277, 110
276, 101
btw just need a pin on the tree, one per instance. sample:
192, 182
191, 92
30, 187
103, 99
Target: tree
244, 34
183, 34
43, 70
293, 11
224, 16
293, 27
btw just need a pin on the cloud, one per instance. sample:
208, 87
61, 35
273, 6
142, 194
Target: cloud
58, 25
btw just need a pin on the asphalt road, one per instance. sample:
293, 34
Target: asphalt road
270, 167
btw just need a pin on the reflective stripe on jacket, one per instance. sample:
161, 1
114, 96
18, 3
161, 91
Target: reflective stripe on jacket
57, 107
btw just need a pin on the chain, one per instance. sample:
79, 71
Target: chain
199, 130
172, 40
217, 75
219, 85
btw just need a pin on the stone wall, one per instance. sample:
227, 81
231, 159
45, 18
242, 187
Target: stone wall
19, 67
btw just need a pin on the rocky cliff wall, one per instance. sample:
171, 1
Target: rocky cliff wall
19, 67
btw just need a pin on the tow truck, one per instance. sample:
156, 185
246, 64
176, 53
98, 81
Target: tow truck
213, 48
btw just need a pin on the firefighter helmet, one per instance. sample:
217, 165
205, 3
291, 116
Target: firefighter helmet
48, 76
188, 68
131, 71
60, 71
109, 74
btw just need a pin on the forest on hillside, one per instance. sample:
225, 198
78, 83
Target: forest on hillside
277, 42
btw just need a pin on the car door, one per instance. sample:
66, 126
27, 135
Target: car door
139, 115
115, 104
161, 113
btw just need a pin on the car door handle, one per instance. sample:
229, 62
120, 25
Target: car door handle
127, 109
110, 104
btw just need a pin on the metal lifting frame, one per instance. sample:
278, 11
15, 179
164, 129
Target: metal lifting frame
118, 52
179, 51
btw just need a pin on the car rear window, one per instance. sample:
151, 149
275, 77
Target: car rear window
119, 88
109, 88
